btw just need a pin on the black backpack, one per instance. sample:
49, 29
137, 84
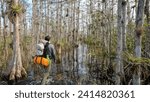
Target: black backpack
48, 51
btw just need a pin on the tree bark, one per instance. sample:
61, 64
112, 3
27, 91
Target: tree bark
147, 43
124, 11
119, 66
17, 70
138, 39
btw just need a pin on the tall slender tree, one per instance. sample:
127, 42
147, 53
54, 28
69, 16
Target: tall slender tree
119, 66
138, 39
124, 12
4, 16
147, 13
17, 71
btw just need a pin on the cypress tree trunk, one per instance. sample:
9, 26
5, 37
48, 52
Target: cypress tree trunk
17, 70
138, 39
119, 45
124, 11
147, 44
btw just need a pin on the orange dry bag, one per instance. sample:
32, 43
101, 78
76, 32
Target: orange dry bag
41, 60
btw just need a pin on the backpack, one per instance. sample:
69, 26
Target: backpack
39, 49
39, 58
46, 51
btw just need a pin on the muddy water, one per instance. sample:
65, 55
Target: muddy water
72, 69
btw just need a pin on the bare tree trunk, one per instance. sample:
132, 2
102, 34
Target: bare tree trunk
147, 43
33, 15
138, 39
41, 20
77, 35
119, 66
128, 16
10, 28
36, 20
124, 24
17, 70
48, 28
5, 50
73, 37
0, 20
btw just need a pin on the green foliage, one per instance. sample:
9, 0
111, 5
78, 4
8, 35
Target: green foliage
2, 61
91, 40
135, 60
131, 28
130, 43
17, 8
14, 10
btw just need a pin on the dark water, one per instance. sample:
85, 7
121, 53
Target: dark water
72, 71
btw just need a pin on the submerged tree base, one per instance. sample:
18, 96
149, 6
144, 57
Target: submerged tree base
17, 73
